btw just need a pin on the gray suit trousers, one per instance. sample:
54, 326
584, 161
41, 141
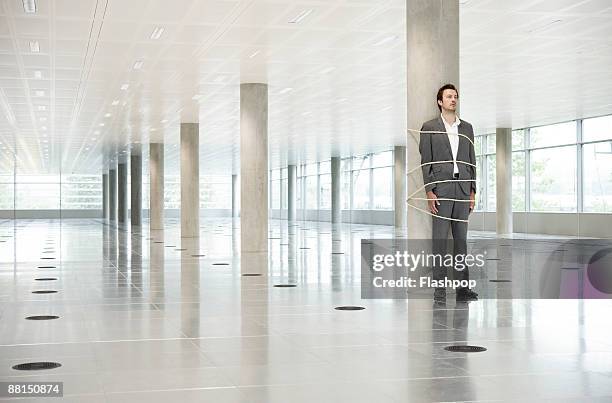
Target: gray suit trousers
440, 228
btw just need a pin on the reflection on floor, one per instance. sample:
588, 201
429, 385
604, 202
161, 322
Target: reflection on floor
148, 317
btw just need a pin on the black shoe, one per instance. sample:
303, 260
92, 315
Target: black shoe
440, 295
465, 294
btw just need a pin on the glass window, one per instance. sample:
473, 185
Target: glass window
275, 174
383, 159
383, 188
311, 192
597, 174
284, 193
361, 162
553, 135
597, 128
518, 140
346, 189
491, 143
518, 181
325, 192
37, 196
491, 183
325, 167
172, 192
275, 194
553, 179
478, 145
479, 185
310, 169
361, 189
82, 192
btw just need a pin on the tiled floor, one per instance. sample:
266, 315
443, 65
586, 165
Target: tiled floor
141, 321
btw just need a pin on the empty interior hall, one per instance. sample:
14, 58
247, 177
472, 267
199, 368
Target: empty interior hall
191, 191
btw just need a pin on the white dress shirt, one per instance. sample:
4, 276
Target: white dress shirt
453, 137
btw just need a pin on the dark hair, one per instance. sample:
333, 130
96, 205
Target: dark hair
441, 92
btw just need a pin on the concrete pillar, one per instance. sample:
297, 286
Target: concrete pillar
156, 191
336, 198
235, 190
503, 172
190, 180
399, 186
432, 41
254, 168
112, 194
105, 196
291, 189
122, 192
136, 186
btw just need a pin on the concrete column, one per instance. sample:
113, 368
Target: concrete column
254, 168
156, 192
136, 186
112, 194
399, 186
336, 198
105, 196
235, 190
432, 41
503, 172
122, 192
291, 189
190, 180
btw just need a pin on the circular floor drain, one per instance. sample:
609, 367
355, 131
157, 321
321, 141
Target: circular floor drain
36, 366
170, 246
465, 349
198, 255
285, 285
349, 308
493, 258
571, 268
44, 292
46, 279
220, 264
181, 249
42, 317
251, 274
337, 253
47, 267
500, 281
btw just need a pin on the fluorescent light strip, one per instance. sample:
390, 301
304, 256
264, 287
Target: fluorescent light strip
29, 6
38, 74
115, 102
300, 17
40, 93
254, 54
34, 46
286, 90
157, 33
125, 87
138, 65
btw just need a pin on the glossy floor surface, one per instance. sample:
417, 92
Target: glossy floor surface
143, 318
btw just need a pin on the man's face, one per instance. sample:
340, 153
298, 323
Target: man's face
450, 98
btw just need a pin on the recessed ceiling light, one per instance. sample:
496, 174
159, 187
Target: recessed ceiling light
115, 102
164, 121
43, 128
386, 39
97, 132
107, 115
94, 138
298, 18
254, 54
39, 93
125, 87
42, 108
86, 148
138, 65
157, 32
196, 97
38, 74
153, 129
285, 90
101, 124
342, 100
29, 6
34, 46
328, 70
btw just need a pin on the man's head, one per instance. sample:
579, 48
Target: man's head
448, 97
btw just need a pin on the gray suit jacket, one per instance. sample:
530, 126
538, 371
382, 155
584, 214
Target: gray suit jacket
436, 147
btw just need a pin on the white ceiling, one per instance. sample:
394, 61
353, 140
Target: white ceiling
523, 62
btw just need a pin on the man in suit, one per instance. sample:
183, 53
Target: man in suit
446, 175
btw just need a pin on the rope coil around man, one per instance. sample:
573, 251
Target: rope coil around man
419, 167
